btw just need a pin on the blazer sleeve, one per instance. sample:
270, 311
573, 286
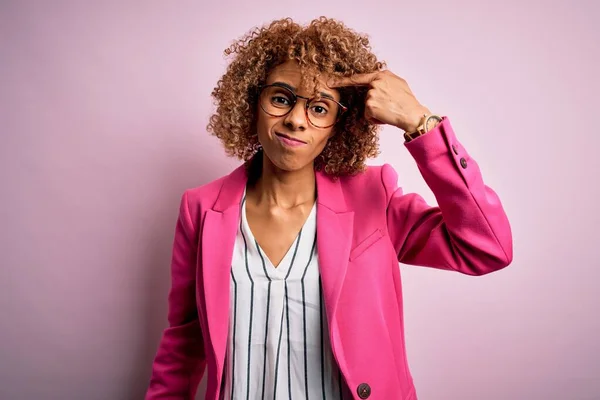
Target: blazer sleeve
180, 361
468, 231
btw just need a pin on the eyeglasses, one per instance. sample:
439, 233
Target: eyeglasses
323, 112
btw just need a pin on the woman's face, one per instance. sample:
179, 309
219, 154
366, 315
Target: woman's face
290, 141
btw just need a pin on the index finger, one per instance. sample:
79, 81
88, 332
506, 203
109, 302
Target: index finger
352, 80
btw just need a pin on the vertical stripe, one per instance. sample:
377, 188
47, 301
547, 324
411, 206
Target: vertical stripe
248, 381
234, 329
289, 364
322, 344
304, 318
287, 312
266, 319
277, 359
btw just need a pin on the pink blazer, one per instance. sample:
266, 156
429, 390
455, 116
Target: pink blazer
365, 226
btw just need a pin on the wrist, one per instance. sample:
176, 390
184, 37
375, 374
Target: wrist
416, 119
426, 124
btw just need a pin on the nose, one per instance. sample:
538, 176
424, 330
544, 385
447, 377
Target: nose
296, 118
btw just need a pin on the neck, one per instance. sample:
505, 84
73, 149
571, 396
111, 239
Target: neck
285, 189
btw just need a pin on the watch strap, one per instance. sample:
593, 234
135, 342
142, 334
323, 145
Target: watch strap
421, 129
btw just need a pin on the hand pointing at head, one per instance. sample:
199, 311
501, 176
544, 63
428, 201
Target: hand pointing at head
389, 99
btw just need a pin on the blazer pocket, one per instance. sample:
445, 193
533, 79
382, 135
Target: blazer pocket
366, 243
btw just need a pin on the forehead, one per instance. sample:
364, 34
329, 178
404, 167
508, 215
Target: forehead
291, 74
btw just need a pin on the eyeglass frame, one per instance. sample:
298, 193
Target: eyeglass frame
308, 100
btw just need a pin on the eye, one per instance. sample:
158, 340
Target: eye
280, 101
319, 109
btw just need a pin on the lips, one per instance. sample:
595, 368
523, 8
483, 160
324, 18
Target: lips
293, 139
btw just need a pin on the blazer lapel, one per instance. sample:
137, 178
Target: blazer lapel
335, 224
218, 239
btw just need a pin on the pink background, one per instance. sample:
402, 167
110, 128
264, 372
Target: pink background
103, 108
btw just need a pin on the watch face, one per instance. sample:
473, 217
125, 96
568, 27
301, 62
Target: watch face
432, 121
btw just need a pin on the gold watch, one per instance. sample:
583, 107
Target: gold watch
427, 123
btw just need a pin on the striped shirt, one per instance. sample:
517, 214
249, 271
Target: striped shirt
278, 345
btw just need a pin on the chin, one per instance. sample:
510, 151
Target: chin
287, 162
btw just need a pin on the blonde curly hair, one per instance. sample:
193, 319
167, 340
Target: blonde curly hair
325, 46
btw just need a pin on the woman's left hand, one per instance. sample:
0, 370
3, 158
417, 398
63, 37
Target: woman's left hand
388, 101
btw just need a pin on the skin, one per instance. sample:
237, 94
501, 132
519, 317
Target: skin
279, 203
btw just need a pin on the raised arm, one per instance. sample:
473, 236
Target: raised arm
180, 362
468, 231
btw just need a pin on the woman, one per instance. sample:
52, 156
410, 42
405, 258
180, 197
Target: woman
285, 277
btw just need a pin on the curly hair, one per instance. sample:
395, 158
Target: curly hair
325, 46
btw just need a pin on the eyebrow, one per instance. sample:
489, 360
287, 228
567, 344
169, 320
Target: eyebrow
293, 89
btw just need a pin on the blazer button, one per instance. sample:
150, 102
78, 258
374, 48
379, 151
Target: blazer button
463, 163
455, 149
363, 390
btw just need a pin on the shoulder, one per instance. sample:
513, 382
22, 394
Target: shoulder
374, 177
375, 185
195, 201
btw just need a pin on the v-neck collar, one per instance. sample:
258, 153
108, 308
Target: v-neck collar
282, 270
